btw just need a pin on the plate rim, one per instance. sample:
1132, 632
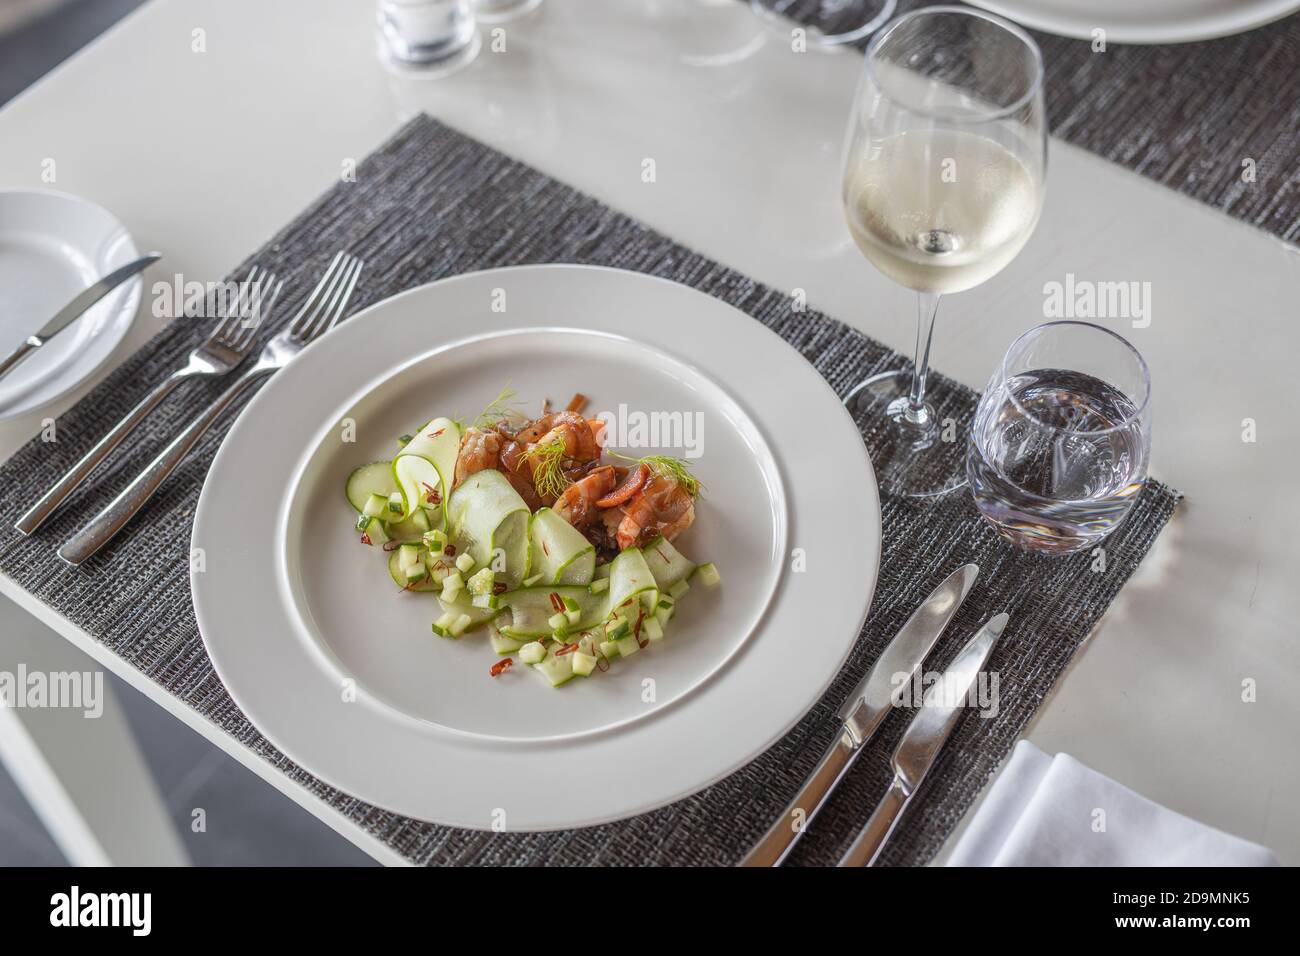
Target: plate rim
1230, 23
738, 757
127, 312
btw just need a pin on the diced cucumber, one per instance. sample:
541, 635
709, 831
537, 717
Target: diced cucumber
663, 615
602, 571
486, 601
583, 664
435, 539
462, 605
708, 575
442, 626
423, 583
481, 581
652, 629
363, 522
556, 669
464, 562
678, 589
501, 644
452, 585
420, 521
395, 510
619, 629
609, 648
534, 652
373, 479
408, 556
374, 530
376, 506
599, 586
627, 646
459, 626
558, 621
531, 609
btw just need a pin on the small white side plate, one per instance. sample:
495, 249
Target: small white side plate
52, 246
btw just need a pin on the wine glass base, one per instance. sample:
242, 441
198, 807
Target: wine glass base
915, 454
831, 25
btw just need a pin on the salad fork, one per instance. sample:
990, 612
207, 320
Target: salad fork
226, 347
321, 312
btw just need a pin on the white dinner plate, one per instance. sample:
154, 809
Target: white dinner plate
52, 246
295, 612
1143, 21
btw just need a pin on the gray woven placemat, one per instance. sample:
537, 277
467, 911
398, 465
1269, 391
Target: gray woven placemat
1184, 114
433, 203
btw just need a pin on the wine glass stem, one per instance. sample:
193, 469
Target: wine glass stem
927, 307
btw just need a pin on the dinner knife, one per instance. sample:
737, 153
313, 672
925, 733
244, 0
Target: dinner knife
75, 308
929, 730
862, 713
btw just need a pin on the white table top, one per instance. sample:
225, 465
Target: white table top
204, 154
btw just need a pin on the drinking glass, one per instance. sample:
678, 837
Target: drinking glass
943, 183
432, 36
1059, 446
829, 22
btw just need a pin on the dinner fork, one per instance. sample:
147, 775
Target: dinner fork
225, 348
321, 312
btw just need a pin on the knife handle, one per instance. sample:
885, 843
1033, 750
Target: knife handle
18, 355
871, 838
789, 827
35, 515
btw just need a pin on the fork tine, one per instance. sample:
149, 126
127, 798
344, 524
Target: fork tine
231, 327
357, 266
303, 318
268, 287
334, 307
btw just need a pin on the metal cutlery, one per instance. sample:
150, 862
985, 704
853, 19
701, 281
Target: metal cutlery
83, 301
863, 712
929, 730
321, 312
225, 348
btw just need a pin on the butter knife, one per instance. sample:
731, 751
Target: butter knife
75, 308
863, 712
929, 730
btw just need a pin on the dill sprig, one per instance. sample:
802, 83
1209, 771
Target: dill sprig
499, 409
666, 466
548, 475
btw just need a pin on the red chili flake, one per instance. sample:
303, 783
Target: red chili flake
565, 649
545, 549
557, 602
499, 668
449, 550
365, 537
434, 496
499, 588
437, 433
602, 663
391, 545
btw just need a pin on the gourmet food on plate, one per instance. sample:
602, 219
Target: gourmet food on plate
526, 531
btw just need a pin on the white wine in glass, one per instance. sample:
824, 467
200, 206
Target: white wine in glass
943, 183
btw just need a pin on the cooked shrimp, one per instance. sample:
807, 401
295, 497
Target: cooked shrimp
577, 505
661, 507
479, 451
577, 434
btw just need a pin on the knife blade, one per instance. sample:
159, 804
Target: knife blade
941, 709
862, 713
79, 304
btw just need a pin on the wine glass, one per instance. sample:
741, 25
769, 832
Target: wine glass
828, 22
943, 183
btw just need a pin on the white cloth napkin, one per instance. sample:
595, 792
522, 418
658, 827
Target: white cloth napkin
1054, 811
